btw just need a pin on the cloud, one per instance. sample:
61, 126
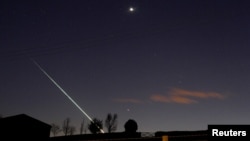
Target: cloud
181, 96
182, 100
175, 95
160, 98
127, 100
171, 99
197, 94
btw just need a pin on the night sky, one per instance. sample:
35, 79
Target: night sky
169, 64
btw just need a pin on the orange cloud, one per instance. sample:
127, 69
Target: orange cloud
182, 100
197, 94
160, 98
177, 95
127, 100
171, 99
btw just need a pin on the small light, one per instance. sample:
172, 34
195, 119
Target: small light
131, 9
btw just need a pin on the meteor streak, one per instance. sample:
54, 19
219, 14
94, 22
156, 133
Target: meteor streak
65, 93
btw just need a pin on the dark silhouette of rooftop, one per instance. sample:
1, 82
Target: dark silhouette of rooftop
23, 127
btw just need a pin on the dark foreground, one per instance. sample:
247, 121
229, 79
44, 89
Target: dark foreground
158, 136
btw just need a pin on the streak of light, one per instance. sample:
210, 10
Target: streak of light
64, 92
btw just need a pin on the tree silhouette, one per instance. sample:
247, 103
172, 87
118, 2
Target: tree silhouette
82, 127
66, 126
72, 130
111, 122
55, 129
67, 129
95, 126
130, 126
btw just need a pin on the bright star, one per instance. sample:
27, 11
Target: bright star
131, 9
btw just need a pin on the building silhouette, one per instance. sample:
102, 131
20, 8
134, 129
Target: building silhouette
23, 127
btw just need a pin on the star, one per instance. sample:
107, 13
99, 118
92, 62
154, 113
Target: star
131, 9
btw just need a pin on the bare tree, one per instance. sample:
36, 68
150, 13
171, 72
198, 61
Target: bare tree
111, 122
72, 130
55, 129
82, 127
95, 126
66, 126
